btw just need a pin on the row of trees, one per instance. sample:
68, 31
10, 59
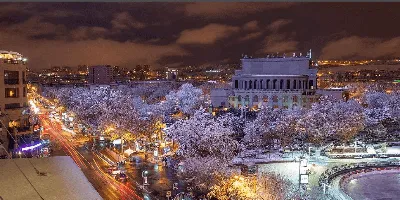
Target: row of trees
207, 144
132, 112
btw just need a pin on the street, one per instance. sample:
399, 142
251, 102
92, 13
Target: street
91, 164
94, 166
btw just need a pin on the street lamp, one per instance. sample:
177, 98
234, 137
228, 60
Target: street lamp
144, 175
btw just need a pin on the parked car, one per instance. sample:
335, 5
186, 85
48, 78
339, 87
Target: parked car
121, 177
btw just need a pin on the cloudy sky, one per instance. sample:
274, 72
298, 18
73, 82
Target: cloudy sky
178, 34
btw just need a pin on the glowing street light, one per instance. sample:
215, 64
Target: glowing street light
144, 175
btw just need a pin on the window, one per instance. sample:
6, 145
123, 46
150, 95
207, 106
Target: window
265, 98
285, 99
12, 105
255, 84
11, 92
239, 98
287, 84
261, 84
11, 77
245, 85
281, 84
255, 98
294, 84
250, 85
267, 85
275, 99
274, 84
236, 84
24, 92
311, 84
295, 99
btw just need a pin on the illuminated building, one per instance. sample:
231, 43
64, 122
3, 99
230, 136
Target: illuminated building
278, 82
100, 75
14, 118
172, 74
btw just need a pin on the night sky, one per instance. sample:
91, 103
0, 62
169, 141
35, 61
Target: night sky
179, 34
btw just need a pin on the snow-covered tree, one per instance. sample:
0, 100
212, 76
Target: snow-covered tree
338, 120
201, 139
187, 98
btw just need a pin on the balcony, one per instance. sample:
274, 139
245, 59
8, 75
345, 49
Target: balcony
11, 81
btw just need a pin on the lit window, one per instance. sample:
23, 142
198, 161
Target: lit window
11, 92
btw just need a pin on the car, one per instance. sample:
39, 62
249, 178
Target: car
111, 169
121, 177
383, 156
358, 157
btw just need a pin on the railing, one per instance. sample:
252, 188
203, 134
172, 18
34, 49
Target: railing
11, 81
332, 173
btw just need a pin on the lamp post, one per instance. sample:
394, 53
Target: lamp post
144, 175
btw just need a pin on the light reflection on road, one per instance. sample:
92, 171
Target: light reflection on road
110, 188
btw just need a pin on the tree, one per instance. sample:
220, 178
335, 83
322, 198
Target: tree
267, 186
187, 98
332, 119
261, 132
206, 146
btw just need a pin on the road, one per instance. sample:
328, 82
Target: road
90, 163
160, 178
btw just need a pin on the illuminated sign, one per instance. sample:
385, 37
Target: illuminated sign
304, 179
31, 147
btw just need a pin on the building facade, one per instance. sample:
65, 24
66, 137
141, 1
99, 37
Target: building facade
14, 117
279, 82
172, 74
100, 75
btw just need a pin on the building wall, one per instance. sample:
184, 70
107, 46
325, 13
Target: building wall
275, 82
220, 97
100, 74
13, 109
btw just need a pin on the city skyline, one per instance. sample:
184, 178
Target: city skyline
181, 34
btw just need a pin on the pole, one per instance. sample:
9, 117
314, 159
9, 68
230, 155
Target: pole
355, 146
122, 147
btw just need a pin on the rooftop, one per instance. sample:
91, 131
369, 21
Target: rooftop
63, 179
11, 57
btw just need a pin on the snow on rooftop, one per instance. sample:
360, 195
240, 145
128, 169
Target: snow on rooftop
64, 179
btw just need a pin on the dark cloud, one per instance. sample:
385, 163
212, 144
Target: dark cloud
276, 25
359, 47
163, 34
229, 9
125, 20
206, 35
251, 26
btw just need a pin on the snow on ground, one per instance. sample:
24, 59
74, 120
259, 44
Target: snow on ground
63, 180
288, 170
393, 150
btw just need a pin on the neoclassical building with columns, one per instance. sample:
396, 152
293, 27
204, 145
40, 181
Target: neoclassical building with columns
283, 82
